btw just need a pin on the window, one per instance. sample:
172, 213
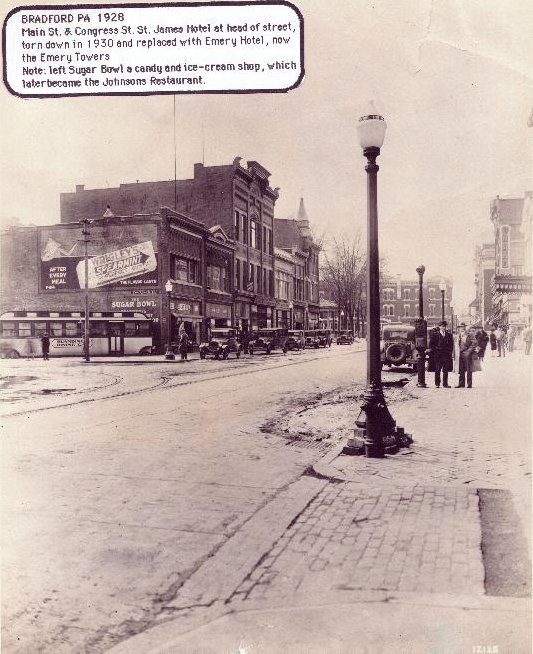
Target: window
56, 329
406, 310
406, 294
9, 329
185, 270
245, 229
265, 239
129, 329
40, 328
431, 292
271, 284
237, 225
270, 242
98, 328
71, 329
431, 309
251, 284
253, 233
217, 278
24, 328
237, 273
258, 272
143, 329
265, 287
517, 270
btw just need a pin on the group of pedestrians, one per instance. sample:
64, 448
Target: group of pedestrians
463, 353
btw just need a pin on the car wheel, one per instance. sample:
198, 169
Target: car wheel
10, 354
238, 353
202, 355
225, 354
284, 350
251, 350
268, 350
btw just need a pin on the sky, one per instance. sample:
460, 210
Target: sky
453, 80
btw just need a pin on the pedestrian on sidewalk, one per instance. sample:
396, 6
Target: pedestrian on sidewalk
184, 345
527, 339
45, 345
493, 342
482, 339
464, 352
441, 352
500, 341
511, 335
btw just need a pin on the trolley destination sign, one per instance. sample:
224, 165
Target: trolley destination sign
113, 267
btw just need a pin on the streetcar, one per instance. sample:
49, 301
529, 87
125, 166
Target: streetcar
110, 333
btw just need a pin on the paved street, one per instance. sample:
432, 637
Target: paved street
190, 514
110, 504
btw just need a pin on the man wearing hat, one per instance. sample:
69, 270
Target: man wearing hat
441, 346
466, 345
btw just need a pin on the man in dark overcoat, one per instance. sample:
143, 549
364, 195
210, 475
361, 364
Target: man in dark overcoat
441, 346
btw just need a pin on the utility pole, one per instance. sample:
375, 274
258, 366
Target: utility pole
85, 233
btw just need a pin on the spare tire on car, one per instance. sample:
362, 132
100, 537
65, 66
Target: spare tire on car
396, 353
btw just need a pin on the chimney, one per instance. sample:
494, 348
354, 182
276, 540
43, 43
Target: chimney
80, 188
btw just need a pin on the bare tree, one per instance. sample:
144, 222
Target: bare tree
343, 277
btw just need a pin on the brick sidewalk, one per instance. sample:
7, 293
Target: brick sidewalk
421, 539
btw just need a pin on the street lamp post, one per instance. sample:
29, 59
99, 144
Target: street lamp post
374, 424
291, 307
442, 288
342, 316
421, 331
86, 341
169, 355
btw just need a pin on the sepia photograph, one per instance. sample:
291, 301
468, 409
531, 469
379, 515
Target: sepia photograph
265, 327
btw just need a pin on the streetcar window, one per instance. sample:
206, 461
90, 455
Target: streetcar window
98, 328
143, 329
9, 329
39, 328
71, 329
56, 329
24, 328
129, 329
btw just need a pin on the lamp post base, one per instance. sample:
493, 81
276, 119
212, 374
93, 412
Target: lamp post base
376, 433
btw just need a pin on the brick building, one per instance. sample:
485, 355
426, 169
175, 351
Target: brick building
239, 200
41, 271
294, 236
511, 286
399, 300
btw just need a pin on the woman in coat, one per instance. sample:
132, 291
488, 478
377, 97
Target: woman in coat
184, 345
493, 342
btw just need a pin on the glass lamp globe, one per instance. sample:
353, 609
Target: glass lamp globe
371, 128
442, 286
168, 286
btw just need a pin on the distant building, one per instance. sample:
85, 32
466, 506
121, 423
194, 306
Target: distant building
294, 236
511, 287
484, 262
238, 199
329, 315
130, 260
399, 300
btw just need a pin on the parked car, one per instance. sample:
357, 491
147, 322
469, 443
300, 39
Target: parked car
311, 338
268, 339
324, 337
398, 345
221, 344
344, 338
296, 340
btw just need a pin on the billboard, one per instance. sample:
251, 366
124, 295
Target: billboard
118, 256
